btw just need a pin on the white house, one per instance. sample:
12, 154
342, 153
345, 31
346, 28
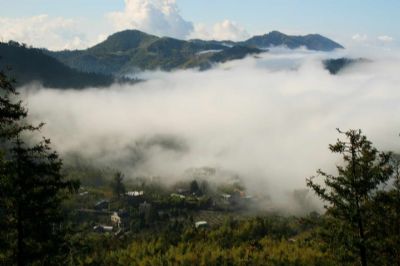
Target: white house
115, 219
201, 224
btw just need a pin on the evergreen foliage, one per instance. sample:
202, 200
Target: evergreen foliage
312, 41
33, 65
117, 185
31, 188
349, 193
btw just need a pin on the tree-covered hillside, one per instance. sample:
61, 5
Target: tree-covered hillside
314, 42
28, 65
335, 66
108, 218
131, 50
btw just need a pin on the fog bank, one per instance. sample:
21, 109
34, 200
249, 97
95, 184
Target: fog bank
267, 119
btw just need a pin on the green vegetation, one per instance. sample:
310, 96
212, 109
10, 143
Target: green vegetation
117, 185
28, 65
32, 189
110, 219
131, 50
335, 66
351, 191
158, 227
127, 52
257, 241
311, 42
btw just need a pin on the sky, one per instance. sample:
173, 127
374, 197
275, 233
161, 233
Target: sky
222, 117
62, 24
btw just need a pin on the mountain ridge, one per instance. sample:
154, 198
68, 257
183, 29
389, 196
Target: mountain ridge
133, 50
130, 51
27, 65
314, 42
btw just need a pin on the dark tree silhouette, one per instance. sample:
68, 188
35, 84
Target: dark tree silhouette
194, 187
117, 185
31, 188
349, 193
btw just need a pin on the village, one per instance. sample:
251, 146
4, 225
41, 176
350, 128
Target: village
123, 209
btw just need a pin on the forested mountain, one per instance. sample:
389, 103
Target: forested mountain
335, 66
129, 51
28, 65
314, 42
132, 50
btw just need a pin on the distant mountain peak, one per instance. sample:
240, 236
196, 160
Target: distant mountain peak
133, 50
275, 32
123, 41
315, 42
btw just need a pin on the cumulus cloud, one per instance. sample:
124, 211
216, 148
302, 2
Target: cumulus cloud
55, 33
225, 30
385, 39
268, 120
362, 41
163, 18
159, 17
228, 30
360, 37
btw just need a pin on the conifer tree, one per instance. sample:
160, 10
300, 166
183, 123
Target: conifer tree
349, 192
31, 188
117, 185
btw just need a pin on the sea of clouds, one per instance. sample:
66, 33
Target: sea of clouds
268, 119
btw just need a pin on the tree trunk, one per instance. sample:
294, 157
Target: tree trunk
20, 238
363, 250
20, 227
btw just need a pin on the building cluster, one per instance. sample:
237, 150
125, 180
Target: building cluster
116, 216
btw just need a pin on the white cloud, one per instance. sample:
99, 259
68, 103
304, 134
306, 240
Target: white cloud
385, 39
253, 117
229, 30
55, 33
159, 17
362, 41
163, 18
224, 30
360, 37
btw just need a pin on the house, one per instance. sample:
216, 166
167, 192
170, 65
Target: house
176, 195
116, 219
237, 199
102, 228
84, 193
183, 191
201, 224
134, 193
135, 197
226, 198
